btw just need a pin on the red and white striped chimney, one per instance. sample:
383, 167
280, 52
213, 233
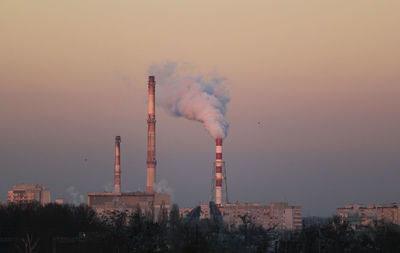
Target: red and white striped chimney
117, 171
218, 171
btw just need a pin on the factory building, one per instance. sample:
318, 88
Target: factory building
149, 201
28, 193
278, 215
359, 214
108, 202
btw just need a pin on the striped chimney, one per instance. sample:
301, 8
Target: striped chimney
117, 171
151, 138
218, 171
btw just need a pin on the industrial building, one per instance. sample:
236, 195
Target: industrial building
149, 201
278, 215
108, 202
28, 193
358, 214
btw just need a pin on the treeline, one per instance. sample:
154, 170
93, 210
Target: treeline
64, 228
336, 236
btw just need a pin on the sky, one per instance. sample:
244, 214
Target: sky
314, 98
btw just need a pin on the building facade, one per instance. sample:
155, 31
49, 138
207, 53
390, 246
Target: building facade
108, 202
204, 211
278, 215
359, 214
28, 193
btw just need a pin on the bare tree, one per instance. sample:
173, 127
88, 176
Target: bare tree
29, 244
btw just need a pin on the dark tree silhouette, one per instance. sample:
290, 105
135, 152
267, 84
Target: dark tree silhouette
57, 228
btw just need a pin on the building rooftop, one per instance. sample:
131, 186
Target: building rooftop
115, 194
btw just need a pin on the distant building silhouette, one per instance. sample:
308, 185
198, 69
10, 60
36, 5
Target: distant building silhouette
204, 211
278, 215
61, 201
27, 193
359, 214
108, 202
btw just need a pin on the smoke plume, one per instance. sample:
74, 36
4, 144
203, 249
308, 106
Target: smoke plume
163, 187
74, 195
192, 96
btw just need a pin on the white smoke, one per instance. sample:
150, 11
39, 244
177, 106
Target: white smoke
192, 96
163, 187
109, 187
74, 196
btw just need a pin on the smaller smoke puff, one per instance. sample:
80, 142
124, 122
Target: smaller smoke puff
193, 97
74, 196
163, 187
109, 187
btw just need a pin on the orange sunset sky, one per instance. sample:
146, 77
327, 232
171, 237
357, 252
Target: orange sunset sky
321, 77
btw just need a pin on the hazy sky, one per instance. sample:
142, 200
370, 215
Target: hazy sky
321, 77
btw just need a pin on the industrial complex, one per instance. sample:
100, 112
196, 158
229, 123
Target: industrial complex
277, 215
107, 202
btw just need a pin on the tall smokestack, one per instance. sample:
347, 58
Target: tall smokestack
117, 171
218, 172
151, 138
